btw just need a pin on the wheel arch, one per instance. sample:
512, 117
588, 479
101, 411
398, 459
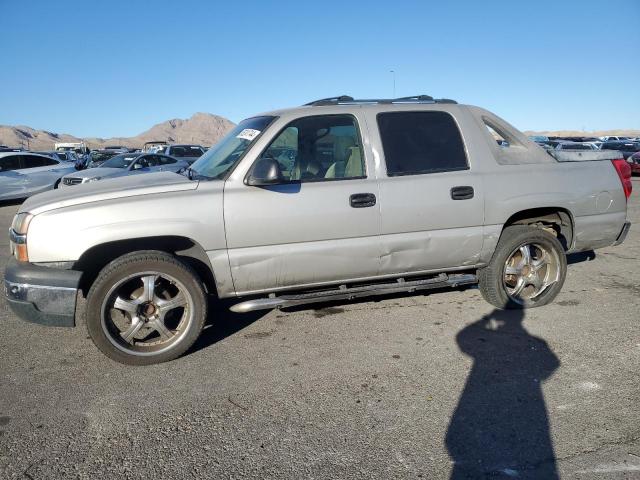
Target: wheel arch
557, 220
93, 260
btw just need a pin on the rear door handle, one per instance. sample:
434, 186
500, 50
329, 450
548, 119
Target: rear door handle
462, 193
362, 200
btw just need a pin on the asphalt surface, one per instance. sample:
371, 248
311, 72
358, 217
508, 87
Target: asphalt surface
410, 386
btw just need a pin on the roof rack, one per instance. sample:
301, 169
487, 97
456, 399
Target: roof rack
347, 100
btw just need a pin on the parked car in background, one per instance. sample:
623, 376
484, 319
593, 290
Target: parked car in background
65, 156
125, 164
634, 163
613, 138
23, 174
154, 146
539, 139
626, 148
79, 148
575, 146
190, 153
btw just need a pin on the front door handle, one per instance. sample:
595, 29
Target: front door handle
362, 200
462, 193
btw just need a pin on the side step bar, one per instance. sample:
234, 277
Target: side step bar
348, 293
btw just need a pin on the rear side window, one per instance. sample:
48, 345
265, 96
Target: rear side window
165, 160
421, 142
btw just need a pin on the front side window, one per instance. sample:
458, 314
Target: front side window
11, 162
33, 161
318, 148
416, 143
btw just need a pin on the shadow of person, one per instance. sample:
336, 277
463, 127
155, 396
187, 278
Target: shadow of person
500, 428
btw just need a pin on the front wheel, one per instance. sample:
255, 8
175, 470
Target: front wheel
145, 308
528, 269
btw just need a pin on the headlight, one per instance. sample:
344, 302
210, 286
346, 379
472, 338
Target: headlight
21, 223
92, 179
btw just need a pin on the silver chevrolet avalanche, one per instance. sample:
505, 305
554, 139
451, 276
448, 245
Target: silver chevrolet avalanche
334, 200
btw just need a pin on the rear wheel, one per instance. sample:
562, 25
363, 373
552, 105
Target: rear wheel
527, 270
145, 308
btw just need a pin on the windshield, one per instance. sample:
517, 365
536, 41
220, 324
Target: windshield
99, 157
220, 158
119, 161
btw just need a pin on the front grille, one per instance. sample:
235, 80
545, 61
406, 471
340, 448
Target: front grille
71, 181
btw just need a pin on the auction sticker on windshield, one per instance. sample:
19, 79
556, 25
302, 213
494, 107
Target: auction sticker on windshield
248, 134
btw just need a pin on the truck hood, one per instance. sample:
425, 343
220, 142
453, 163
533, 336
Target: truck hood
108, 189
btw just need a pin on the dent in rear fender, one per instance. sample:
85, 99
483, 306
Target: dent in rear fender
595, 231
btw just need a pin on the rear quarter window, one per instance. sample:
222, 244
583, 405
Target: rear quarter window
417, 143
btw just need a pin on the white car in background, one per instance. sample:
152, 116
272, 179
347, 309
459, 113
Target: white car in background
23, 174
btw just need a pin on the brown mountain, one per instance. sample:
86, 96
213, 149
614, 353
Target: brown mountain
202, 129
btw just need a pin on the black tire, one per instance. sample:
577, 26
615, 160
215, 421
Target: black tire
108, 285
492, 277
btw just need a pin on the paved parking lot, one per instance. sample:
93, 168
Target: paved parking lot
413, 386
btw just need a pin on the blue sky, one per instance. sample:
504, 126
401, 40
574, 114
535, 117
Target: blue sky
118, 67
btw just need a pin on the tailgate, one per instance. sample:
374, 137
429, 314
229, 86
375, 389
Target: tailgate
585, 155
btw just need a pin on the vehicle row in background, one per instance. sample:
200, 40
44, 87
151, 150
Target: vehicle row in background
628, 147
125, 164
25, 173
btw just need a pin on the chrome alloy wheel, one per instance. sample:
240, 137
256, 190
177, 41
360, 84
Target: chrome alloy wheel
147, 313
529, 271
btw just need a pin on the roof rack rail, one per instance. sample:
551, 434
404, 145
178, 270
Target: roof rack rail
415, 98
331, 100
347, 100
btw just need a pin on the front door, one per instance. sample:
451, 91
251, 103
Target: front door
320, 224
12, 182
40, 173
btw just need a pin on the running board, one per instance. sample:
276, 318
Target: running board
347, 293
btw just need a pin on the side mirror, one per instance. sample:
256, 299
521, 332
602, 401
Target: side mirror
137, 166
266, 171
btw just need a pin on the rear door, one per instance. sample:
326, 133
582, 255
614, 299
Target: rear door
12, 182
432, 202
316, 226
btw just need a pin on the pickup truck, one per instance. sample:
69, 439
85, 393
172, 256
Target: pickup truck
334, 200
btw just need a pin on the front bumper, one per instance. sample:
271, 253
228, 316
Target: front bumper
41, 294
